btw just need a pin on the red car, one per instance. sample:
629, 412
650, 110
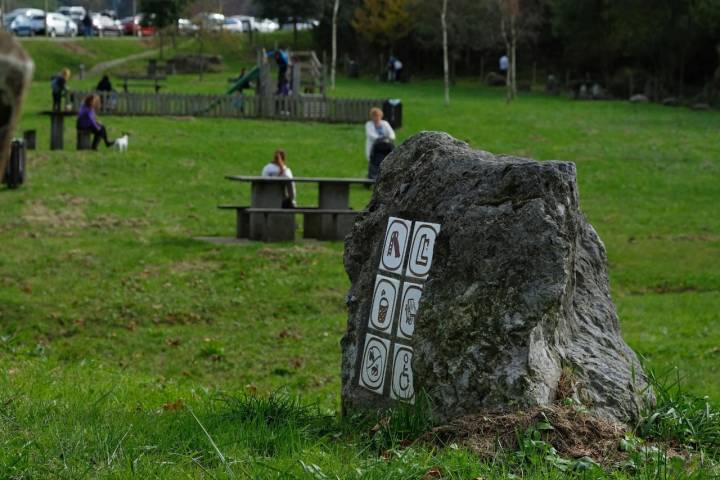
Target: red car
136, 26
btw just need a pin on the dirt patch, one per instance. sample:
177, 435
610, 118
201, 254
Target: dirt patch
76, 48
73, 216
573, 433
110, 221
192, 266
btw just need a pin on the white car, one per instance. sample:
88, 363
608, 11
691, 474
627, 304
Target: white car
210, 21
186, 27
59, 24
34, 24
233, 25
105, 26
308, 25
247, 23
267, 25
77, 13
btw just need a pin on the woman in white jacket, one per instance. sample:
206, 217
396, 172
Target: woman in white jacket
375, 129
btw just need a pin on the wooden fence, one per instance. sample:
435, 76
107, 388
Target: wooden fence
296, 108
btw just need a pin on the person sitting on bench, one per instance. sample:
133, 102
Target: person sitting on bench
87, 120
278, 168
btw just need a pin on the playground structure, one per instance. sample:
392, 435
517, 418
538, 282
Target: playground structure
306, 76
305, 99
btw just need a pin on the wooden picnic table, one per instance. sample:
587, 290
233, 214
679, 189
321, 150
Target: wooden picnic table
57, 127
263, 219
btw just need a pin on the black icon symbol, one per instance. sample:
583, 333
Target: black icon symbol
404, 380
422, 258
410, 311
394, 245
383, 307
373, 363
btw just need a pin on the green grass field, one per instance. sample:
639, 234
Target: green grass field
126, 346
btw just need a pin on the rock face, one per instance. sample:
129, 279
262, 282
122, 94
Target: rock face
16, 69
515, 305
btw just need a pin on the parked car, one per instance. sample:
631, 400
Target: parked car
210, 21
241, 23
267, 25
186, 27
105, 26
10, 17
29, 25
137, 26
232, 25
59, 24
77, 13
308, 25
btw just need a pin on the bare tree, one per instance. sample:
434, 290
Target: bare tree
443, 21
509, 13
333, 63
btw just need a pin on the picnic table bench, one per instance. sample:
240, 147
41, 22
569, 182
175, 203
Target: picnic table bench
147, 81
57, 127
264, 220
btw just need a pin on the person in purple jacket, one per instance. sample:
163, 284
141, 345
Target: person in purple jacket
87, 120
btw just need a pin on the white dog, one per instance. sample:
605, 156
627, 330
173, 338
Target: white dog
122, 143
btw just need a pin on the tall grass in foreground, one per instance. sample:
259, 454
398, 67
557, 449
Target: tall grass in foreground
113, 433
679, 416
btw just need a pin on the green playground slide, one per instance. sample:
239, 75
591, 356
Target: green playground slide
244, 81
240, 84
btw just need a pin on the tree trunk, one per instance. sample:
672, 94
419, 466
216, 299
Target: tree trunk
513, 54
508, 87
443, 21
333, 64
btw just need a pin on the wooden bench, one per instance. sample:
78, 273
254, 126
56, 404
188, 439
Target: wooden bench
266, 224
143, 81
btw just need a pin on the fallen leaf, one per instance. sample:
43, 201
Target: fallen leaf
174, 406
383, 422
434, 472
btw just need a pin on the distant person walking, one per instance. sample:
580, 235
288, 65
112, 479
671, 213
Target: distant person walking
504, 64
58, 87
278, 168
394, 68
379, 137
87, 120
87, 24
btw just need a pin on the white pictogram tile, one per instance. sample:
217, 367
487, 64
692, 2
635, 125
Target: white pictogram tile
422, 249
384, 300
397, 235
402, 376
374, 363
409, 309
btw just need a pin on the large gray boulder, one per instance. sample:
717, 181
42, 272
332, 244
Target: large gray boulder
515, 309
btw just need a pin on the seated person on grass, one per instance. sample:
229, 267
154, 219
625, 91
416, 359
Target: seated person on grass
277, 168
87, 120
